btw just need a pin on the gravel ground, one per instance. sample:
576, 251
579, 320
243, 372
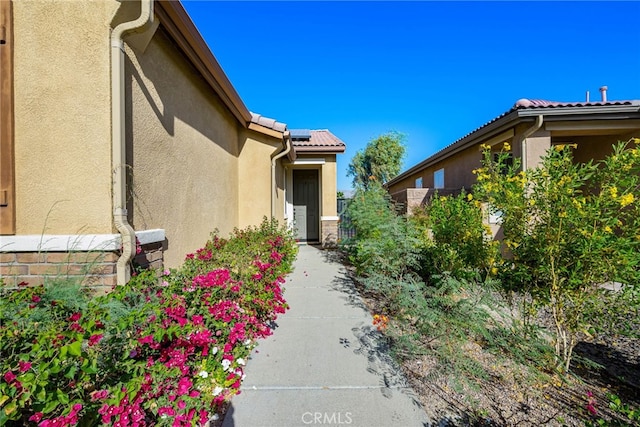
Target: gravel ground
511, 397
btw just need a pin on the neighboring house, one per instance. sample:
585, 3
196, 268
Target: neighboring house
118, 124
531, 127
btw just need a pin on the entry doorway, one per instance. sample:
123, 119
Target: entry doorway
306, 204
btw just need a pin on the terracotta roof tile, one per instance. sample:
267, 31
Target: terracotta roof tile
320, 140
543, 103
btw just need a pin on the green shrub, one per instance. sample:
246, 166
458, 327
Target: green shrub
158, 351
385, 243
455, 239
570, 227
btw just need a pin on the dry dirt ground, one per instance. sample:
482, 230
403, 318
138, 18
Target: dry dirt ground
511, 397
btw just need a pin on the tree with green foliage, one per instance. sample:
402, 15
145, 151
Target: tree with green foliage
380, 160
570, 228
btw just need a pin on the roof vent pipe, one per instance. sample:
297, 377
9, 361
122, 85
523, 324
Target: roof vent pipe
587, 96
603, 91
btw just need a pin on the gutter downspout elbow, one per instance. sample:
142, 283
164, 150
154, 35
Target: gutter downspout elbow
118, 139
274, 159
523, 145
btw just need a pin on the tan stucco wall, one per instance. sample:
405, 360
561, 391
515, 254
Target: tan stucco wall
595, 147
457, 172
536, 148
254, 177
329, 184
184, 150
62, 116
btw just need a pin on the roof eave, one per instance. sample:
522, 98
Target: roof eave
488, 130
510, 119
323, 150
175, 19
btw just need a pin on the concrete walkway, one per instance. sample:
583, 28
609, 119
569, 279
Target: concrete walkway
325, 363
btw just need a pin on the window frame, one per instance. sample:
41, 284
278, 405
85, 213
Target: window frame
438, 179
7, 152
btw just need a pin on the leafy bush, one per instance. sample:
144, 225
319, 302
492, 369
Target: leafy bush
385, 243
569, 228
389, 253
454, 236
166, 350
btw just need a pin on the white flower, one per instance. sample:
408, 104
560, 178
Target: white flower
215, 417
203, 374
241, 361
247, 343
214, 350
226, 364
217, 390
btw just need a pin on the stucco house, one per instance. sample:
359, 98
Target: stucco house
530, 127
117, 126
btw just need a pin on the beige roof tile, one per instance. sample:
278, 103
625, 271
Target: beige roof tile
268, 123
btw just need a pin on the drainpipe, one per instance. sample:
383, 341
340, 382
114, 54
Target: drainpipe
533, 129
274, 190
118, 142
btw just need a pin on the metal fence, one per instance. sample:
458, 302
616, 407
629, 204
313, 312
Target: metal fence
346, 230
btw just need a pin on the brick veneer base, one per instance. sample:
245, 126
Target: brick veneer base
97, 270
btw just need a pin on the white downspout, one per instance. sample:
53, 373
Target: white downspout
274, 189
523, 145
118, 141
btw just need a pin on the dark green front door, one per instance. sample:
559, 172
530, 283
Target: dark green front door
306, 206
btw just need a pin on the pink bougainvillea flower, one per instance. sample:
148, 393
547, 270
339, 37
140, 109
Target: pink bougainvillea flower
99, 395
24, 366
146, 339
9, 377
75, 317
184, 386
166, 410
36, 299
95, 339
76, 327
36, 417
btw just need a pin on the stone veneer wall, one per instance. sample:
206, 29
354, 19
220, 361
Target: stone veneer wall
329, 230
96, 269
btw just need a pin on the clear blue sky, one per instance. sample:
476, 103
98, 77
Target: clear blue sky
434, 71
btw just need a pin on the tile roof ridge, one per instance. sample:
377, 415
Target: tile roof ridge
525, 103
268, 122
